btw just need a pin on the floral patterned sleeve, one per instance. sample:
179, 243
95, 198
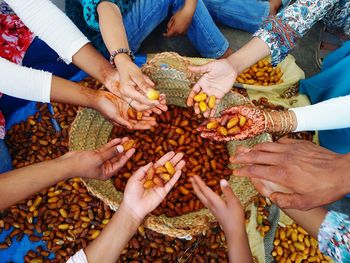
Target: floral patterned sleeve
282, 32
334, 236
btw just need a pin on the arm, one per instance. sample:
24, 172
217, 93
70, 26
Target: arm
230, 215
137, 203
132, 82
99, 164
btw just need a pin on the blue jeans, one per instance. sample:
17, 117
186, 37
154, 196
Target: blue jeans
5, 158
146, 15
245, 15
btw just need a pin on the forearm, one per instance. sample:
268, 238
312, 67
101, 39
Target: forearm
310, 220
249, 54
18, 184
190, 6
68, 92
238, 246
112, 27
114, 238
93, 63
327, 115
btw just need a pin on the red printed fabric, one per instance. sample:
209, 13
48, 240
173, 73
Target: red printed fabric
15, 39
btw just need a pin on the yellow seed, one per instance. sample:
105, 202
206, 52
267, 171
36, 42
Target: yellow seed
105, 221
294, 237
212, 125
139, 115
63, 213
313, 242
299, 246
153, 94
302, 231
169, 250
148, 184
222, 130
282, 235
165, 177
301, 238
242, 121
200, 97
312, 259
211, 102
63, 226
37, 201
202, 106
279, 251
95, 234
170, 168
161, 170
250, 81
85, 219
128, 145
232, 122
307, 242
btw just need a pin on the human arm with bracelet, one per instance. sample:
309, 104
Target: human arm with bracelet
112, 29
137, 203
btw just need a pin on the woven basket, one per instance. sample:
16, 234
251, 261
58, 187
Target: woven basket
90, 130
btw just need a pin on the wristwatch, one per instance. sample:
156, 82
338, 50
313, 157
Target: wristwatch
121, 51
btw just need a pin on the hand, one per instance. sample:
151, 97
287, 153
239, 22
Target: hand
142, 201
97, 164
116, 111
314, 175
228, 212
134, 85
179, 23
255, 117
217, 80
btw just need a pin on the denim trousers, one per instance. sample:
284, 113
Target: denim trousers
5, 158
245, 15
146, 15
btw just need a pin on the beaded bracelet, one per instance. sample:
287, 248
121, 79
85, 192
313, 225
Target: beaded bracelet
120, 51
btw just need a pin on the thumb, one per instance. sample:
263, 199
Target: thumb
199, 69
228, 193
111, 152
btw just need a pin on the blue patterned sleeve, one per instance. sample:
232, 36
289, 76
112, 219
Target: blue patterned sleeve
90, 12
281, 33
334, 236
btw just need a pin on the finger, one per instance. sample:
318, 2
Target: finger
272, 147
196, 108
139, 106
111, 143
148, 80
286, 140
200, 69
169, 185
230, 197
261, 187
142, 125
198, 192
206, 113
286, 201
213, 110
141, 172
242, 149
194, 91
171, 22
164, 159
120, 121
177, 158
156, 110
140, 98
117, 158
170, 32
110, 152
118, 163
180, 165
257, 157
273, 174
213, 198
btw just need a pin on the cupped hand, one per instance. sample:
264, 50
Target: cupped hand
142, 201
116, 111
255, 125
98, 164
314, 176
217, 80
228, 211
179, 23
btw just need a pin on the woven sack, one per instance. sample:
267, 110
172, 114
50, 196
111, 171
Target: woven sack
90, 131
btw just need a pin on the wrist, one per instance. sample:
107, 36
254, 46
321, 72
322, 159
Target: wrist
235, 233
65, 163
280, 121
129, 215
121, 59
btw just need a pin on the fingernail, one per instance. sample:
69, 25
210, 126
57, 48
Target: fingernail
223, 183
120, 148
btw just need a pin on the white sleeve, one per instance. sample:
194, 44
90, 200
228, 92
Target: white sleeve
24, 83
78, 257
327, 115
50, 24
